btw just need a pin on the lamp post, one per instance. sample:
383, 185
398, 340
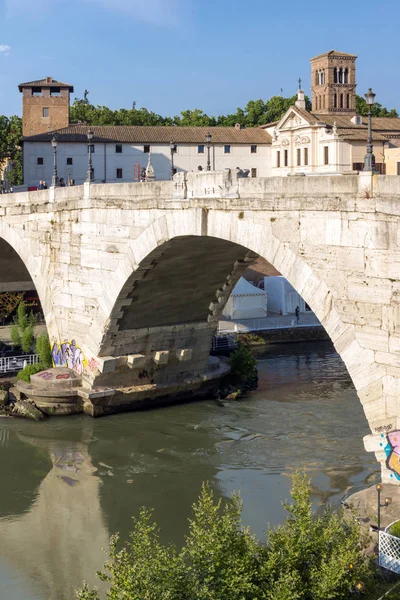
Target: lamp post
54, 179
388, 501
89, 174
173, 150
369, 160
208, 142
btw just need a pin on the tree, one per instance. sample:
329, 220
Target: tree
377, 109
44, 350
22, 335
306, 558
10, 146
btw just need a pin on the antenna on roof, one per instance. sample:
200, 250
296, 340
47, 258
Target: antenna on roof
299, 83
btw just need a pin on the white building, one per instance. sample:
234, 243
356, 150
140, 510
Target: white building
119, 153
282, 297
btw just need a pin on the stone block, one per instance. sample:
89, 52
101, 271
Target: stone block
184, 355
369, 289
373, 338
136, 361
106, 364
161, 357
371, 392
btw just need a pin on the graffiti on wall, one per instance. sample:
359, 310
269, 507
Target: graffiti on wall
392, 451
68, 354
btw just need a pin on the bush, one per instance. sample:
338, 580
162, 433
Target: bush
25, 374
307, 558
243, 364
395, 529
27, 339
15, 336
44, 351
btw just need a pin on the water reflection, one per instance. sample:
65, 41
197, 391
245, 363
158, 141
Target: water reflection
69, 483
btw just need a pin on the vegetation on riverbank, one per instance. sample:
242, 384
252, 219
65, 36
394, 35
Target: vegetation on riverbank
308, 557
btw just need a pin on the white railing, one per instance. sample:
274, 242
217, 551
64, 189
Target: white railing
265, 323
225, 341
17, 363
389, 552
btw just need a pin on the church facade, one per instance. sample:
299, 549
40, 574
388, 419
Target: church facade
331, 138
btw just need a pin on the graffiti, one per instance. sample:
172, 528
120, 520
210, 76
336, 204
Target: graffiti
383, 428
63, 376
68, 354
46, 375
93, 364
392, 451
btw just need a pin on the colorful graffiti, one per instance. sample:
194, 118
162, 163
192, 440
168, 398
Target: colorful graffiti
68, 354
46, 375
392, 451
93, 364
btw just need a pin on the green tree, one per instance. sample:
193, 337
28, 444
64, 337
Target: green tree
377, 109
10, 146
307, 558
27, 339
44, 350
22, 332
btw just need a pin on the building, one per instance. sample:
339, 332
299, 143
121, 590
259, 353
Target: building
282, 297
331, 138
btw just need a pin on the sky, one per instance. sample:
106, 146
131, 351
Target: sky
171, 55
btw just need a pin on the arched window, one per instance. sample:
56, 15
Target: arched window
323, 101
316, 77
335, 75
348, 101
346, 75
341, 100
340, 75
334, 100
323, 77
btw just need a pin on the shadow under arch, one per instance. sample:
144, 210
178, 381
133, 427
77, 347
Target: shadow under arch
23, 266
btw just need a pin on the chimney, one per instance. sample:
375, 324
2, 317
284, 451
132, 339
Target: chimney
301, 101
49, 79
238, 126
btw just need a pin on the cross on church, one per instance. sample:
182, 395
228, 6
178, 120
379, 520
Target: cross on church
299, 83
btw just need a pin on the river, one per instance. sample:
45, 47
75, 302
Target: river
68, 483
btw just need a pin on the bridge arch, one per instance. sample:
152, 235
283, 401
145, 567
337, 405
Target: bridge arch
249, 238
21, 260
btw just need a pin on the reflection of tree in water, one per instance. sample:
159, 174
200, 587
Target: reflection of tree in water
58, 542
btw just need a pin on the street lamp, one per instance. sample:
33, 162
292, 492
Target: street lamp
369, 160
54, 180
388, 501
89, 174
208, 142
173, 150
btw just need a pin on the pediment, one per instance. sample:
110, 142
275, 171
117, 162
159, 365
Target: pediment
291, 120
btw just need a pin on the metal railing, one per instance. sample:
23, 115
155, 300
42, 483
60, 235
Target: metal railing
265, 323
225, 341
389, 552
17, 363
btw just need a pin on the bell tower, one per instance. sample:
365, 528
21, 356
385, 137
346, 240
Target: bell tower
45, 105
333, 83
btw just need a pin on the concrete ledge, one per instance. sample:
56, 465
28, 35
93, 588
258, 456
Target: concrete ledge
184, 355
136, 361
161, 357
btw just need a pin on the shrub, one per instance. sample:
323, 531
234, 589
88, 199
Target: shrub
395, 529
27, 339
243, 364
22, 317
15, 336
307, 558
25, 374
44, 351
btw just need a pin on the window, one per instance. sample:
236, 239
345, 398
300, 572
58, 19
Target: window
254, 172
36, 91
227, 149
346, 75
306, 156
200, 149
398, 168
253, 149
341, 100
278, 159
334, 100
358, 166
335, 75
91, 148
55, 91
146, 148
70, 161
119, 173
316, 78
39, 160
286, 158
347, 100
380, 168
326, 155
118, 148
45, 112
298, 157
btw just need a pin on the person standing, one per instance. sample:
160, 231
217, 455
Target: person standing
297, 313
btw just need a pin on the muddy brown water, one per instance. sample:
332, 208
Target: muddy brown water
67, 484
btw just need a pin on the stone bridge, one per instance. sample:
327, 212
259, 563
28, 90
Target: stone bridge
132, 278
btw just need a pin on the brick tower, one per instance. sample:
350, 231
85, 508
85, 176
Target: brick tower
333, 83
45, 105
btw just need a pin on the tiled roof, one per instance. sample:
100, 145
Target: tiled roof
381, 124
334, 53
47, 82
153, 134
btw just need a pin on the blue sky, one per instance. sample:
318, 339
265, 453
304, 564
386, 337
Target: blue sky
169, 55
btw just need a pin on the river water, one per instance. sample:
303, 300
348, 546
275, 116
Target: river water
67, 484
